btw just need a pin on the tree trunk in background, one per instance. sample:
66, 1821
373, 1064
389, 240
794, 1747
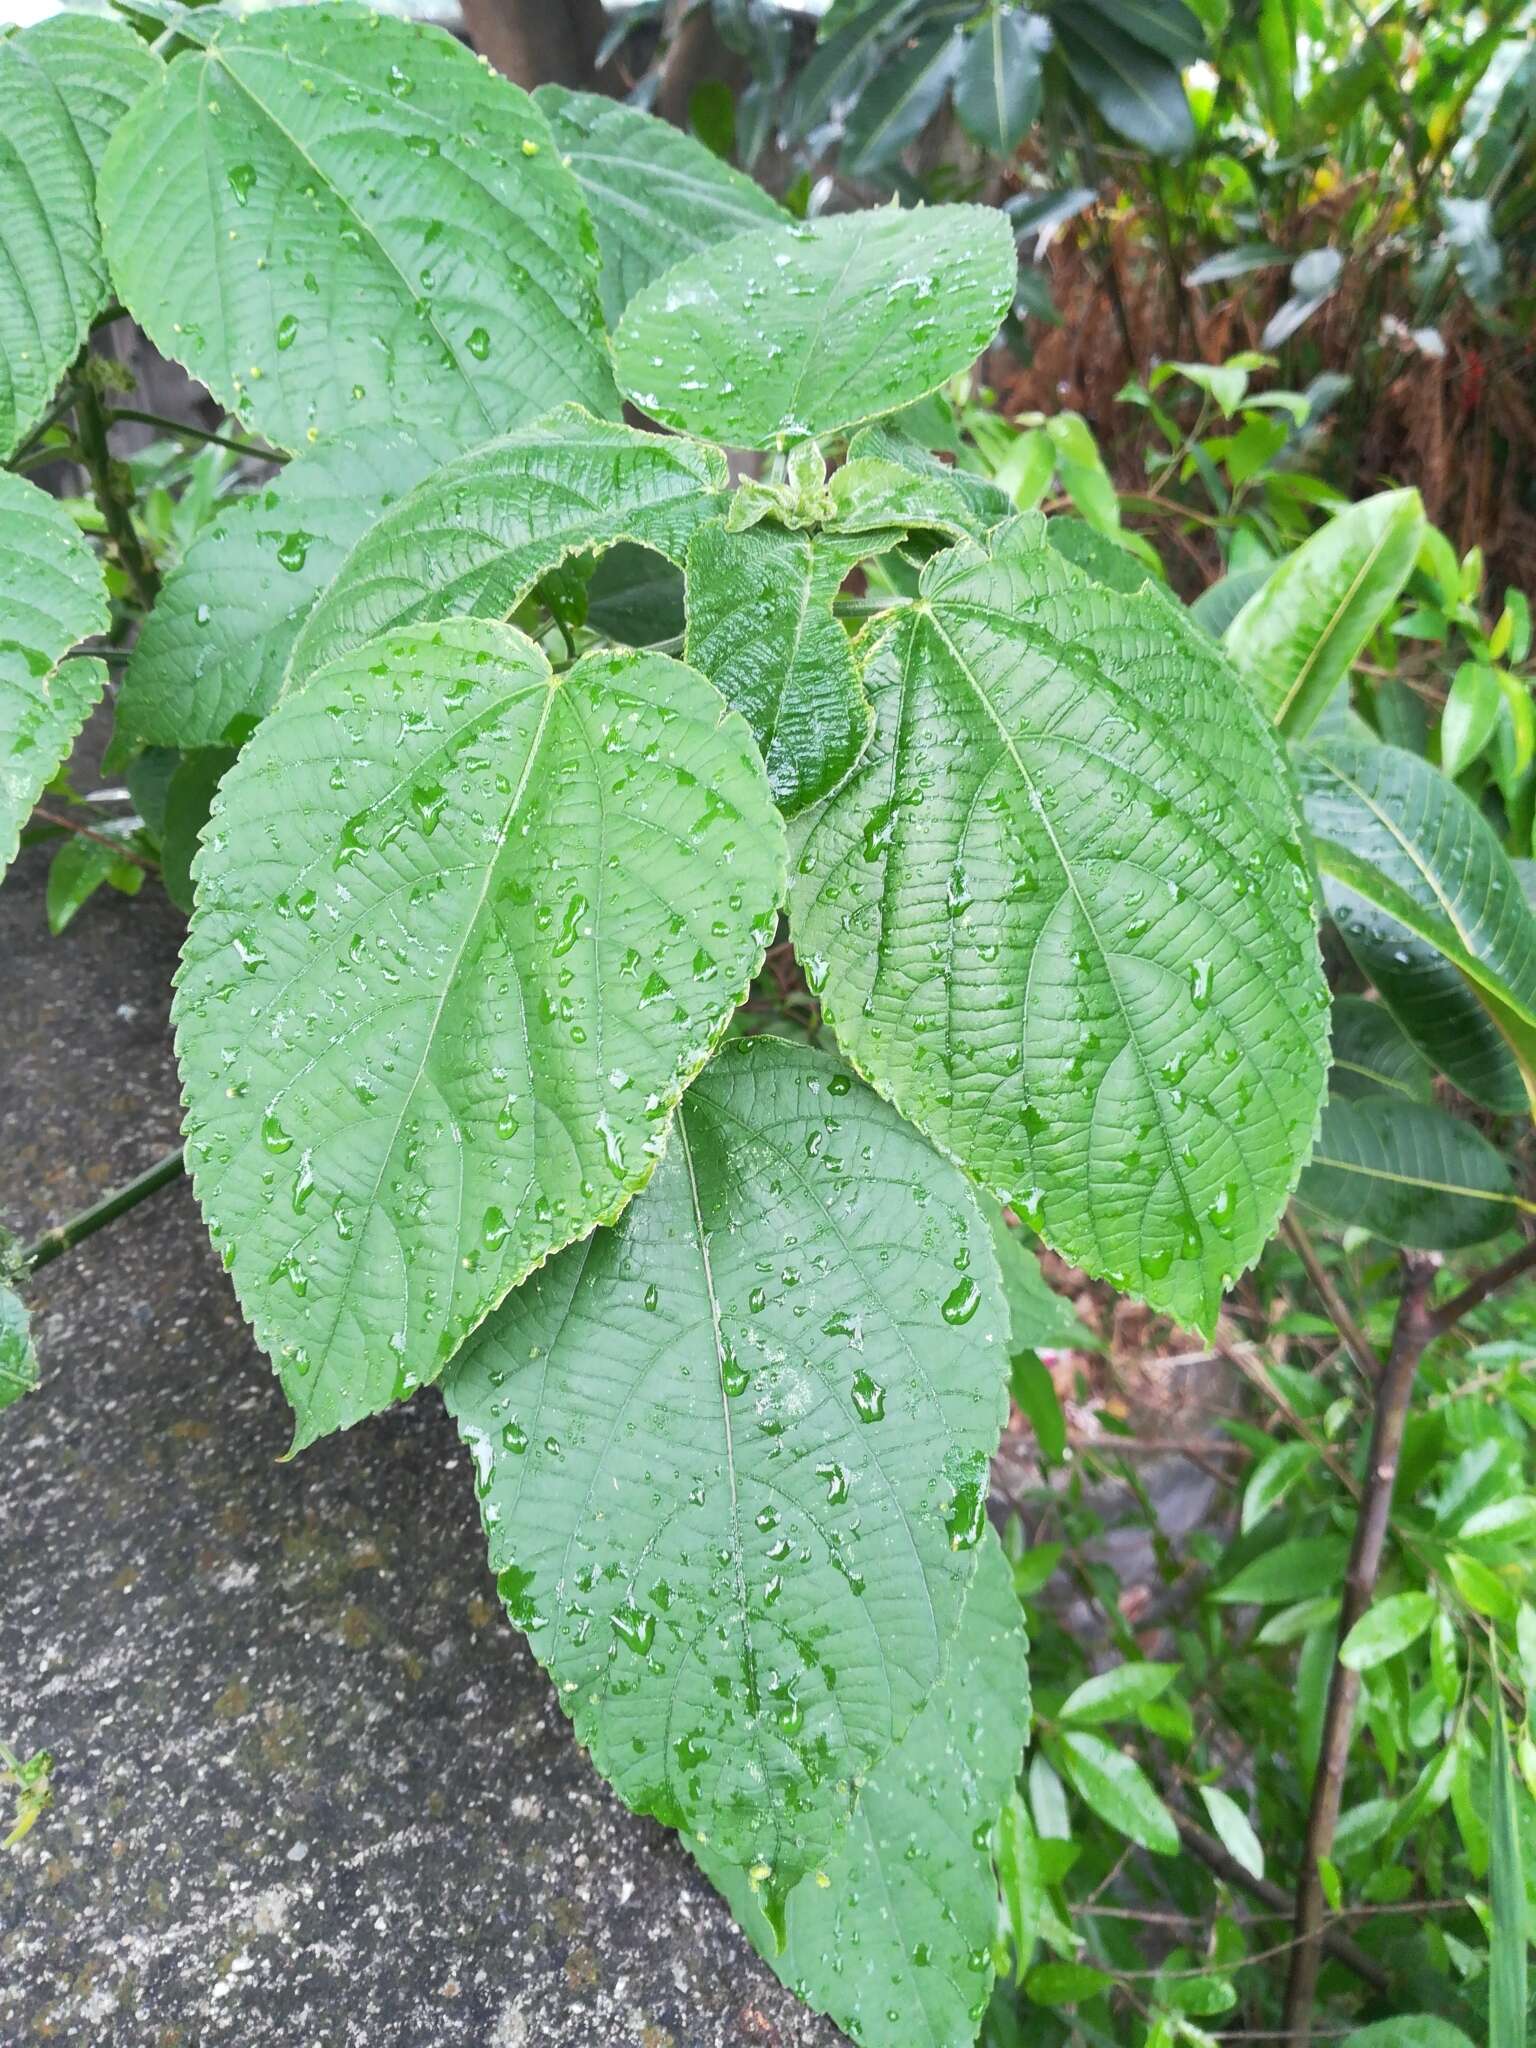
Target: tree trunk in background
696, 53
542, 42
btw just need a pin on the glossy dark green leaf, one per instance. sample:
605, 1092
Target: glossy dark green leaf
210, 659
808, 330
732, 1456
1061, 915
654, 194
1139, 93
760, 626
1116, 1695
1294, 640
1409, 1173
899, 101
1272, 1578
64, 84
51, 595
635, 596
1215, 609
1167, 26
339, 220
1402, 836
1235, 1830
1438, 1008
851, 50
998, 84
18, 1356
464, 931
479, 533
893, 1938
1373, 1055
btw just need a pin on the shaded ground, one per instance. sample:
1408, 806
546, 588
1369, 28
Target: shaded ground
310, 1789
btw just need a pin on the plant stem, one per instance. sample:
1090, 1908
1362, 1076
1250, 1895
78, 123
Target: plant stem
1477, 1291
1215, 1857
1413, 1331
64, 1237
182, 431
91, 433
123, 851
1356, 1343
863, 607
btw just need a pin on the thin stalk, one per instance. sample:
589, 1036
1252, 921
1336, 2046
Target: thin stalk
1413, 1332
864, 607
117, 846
1216, 1858
91, 432
180, 430
64, 1237
1356, 1343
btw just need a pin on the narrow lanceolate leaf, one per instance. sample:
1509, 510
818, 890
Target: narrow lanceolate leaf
899, 101
51, 595
893, 1938
464, 931
655, 195
477, 535
335, 219
1060, 914
1438, 1008
760, 626
64, 84
1373, 1055
1138, 92
1409, 1173
1507, 1954
998, 85
1295, 638
210, 659
807, 330
18, 1358
733, 1455
1235, 1829
1403, 837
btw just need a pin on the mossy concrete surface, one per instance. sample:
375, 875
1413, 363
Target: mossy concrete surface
310, 1788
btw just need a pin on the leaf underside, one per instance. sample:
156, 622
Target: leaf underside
805, 330
341, 220
464, 931
732, 1455
475, 537
896, 1945
51, 595
1061, 915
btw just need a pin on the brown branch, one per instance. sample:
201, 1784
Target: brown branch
1356, 1343
1477, 1291
1216, 1858
1413, 1331
123, 852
